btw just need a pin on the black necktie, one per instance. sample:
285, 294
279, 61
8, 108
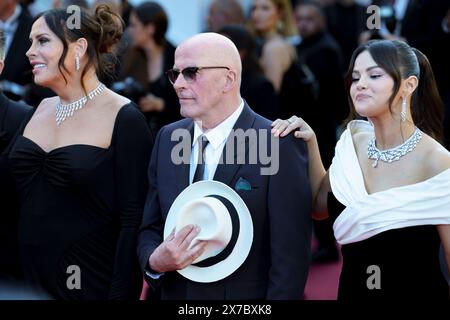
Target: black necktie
200, 169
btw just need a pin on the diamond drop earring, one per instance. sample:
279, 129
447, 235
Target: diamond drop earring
77, 63
403, 113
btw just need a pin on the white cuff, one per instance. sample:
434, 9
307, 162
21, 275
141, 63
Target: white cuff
154, 275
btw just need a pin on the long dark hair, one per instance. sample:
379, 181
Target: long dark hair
101, 31
400, 61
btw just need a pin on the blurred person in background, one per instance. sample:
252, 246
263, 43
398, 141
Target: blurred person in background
321, 53
66, 3
16, 25
224, 12
272, 22
346, 20
257, 91
144, 64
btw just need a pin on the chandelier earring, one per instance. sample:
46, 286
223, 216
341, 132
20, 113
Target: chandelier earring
403, 112
77, 63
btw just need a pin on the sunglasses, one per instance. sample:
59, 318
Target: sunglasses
189, 73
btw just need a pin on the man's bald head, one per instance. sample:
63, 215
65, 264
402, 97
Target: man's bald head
212, 94
213, 49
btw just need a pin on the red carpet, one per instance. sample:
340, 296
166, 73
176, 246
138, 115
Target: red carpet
323, 279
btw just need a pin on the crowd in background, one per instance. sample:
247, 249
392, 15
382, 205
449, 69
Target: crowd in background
294, 56
294, 53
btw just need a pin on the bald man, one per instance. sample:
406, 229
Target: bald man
206, 77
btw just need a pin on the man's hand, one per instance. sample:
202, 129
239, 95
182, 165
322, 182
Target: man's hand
175, 252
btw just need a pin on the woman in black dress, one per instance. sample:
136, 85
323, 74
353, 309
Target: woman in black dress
80, 165
390, 176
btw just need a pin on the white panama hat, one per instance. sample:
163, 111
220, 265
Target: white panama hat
224, 220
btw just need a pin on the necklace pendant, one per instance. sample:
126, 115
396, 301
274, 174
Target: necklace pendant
393, 154
375, 163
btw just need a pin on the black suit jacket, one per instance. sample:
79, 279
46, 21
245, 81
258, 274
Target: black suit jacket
17, 66
11, 116
280, 205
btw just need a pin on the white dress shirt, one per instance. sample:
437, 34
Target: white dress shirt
217, 138
213, 151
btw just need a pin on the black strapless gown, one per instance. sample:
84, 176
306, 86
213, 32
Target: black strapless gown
81, 209
408, 261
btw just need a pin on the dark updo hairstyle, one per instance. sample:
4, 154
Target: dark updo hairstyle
400, 61
153, 13
102, 30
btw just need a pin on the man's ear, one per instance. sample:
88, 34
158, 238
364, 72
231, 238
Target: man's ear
2, 64
231, 81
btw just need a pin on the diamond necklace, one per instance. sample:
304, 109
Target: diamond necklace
395, 153
64, 111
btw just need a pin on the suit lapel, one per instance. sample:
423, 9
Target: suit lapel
226, 172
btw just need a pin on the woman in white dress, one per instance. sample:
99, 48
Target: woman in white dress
390, 175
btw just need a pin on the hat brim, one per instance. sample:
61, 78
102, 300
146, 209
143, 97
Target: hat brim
244, 241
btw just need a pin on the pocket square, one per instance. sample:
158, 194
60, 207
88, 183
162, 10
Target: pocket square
242, 184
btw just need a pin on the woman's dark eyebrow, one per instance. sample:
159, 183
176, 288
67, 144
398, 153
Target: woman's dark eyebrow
368, 69
39, 35
372, 67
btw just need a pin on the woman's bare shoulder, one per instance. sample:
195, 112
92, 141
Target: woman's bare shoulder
437, 157
46, 106
47, 102
116, 101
